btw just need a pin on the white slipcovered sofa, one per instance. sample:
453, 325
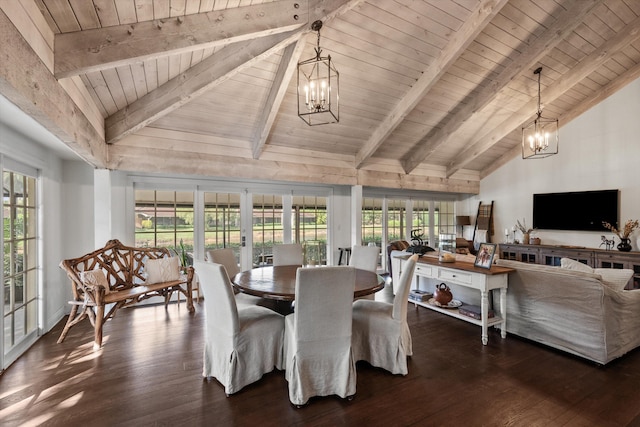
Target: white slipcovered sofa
584, 313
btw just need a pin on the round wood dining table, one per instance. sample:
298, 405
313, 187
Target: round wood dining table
279, 282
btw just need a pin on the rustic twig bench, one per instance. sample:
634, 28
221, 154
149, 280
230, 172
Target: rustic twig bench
126, 278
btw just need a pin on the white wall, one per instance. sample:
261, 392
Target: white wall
78, 200
598, 150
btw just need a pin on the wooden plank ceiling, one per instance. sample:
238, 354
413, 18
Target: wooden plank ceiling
433, 93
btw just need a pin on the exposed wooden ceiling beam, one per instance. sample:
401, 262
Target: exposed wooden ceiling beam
154, 160
589, 64
29, 84
200, 78
286, 69
211, 72
480, 17
605, 92
565, 24
86, 51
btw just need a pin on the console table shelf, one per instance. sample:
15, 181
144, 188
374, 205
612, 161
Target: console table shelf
467, 275
593, 257
454, 312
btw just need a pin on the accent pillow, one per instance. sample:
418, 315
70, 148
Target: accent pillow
95, 278
162, 270
572, 264
615, 278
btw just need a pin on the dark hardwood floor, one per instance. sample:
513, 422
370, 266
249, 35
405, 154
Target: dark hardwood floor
149, 373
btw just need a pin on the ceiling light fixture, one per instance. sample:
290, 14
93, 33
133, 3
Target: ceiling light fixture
318, 88
540, 137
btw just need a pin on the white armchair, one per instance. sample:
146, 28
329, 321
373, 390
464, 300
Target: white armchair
381, 334
317, 346
242, 342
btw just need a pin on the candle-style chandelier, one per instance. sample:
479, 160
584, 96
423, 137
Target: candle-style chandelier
318, 88
540, 137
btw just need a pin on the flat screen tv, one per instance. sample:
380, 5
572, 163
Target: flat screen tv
580, 210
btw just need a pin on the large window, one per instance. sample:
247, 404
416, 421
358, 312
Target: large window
429, 218
372, 229
267, 226
396, 219
445, 221
164, 219
421, 222
310, 227
20, 264
222, 221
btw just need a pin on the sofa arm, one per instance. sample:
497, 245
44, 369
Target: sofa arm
622, 320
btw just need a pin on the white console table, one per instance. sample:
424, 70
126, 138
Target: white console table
467, 275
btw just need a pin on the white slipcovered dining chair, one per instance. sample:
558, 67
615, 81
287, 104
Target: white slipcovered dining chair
365, 257
381, 334
317, 347
287, 254
227, 258
242, 342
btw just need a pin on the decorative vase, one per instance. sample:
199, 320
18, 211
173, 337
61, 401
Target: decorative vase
624, 245
442, 295
525, 238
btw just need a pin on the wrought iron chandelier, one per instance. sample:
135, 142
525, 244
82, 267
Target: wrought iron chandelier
540, 137
318, 88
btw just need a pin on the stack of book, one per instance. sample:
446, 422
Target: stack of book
473, 311
419, 295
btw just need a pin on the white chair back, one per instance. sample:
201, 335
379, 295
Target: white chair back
400, 300
219, 300
318, 356
287, 254
225, 257
324, 298
365, 257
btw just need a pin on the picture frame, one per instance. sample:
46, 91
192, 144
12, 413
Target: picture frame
484, 257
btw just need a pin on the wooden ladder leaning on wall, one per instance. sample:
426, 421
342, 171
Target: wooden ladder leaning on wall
484, 220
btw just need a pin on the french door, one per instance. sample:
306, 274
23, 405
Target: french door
20, 263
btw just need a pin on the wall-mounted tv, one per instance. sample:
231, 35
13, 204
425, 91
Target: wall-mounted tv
580, 210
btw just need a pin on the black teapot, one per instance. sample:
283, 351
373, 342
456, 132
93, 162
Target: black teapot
442, 295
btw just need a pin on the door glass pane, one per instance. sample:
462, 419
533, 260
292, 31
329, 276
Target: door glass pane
20, 324
18, 223
18, 257
30, 223
8, 331
30, 195
31, 285
30, 255
32, 316
8, 298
